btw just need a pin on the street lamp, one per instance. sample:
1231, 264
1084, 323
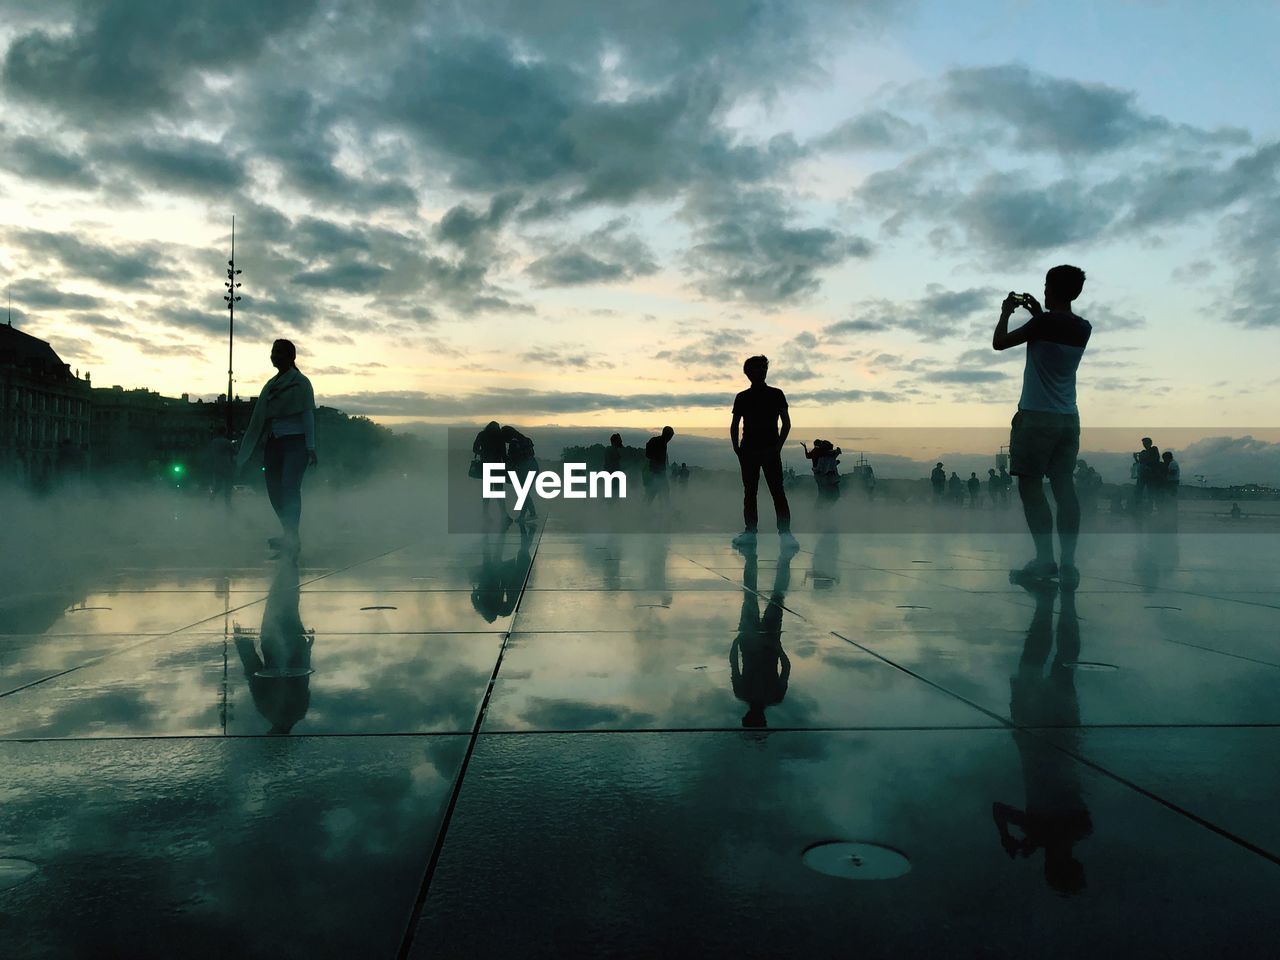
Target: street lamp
232, 285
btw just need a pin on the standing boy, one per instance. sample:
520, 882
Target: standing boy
759, 409
1045, 439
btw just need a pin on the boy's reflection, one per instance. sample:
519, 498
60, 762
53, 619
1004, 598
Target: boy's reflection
759, 666
1055, 818
280, 676
656, 548
497, 582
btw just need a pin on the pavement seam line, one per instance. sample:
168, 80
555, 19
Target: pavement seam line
437, 850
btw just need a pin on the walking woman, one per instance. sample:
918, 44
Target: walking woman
285, 415
490, 447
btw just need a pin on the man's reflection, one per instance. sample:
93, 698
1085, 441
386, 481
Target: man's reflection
656, 548
825, 569
279, 676
1055, 818
497, 581
759, 666
1156, 555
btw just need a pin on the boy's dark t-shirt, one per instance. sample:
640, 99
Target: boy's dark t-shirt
759, 406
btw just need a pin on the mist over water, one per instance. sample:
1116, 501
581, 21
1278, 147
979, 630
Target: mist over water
56, 547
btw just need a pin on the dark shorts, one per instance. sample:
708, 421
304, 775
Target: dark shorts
1043, 444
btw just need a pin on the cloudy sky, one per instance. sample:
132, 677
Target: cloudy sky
575, 212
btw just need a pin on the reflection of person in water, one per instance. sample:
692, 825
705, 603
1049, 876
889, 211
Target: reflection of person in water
497, 581
280, 676
758, 665
1055, 818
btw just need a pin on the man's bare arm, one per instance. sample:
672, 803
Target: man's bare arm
786, 428
733, 431
1002, 339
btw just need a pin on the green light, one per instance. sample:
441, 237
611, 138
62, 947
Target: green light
177, 469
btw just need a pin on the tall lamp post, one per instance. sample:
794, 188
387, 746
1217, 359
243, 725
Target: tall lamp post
232, 285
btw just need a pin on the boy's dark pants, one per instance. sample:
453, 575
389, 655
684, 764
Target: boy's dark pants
770, 461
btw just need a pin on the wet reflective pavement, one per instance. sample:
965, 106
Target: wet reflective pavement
625, 745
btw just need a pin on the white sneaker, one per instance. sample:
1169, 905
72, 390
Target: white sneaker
745, 538
789, 543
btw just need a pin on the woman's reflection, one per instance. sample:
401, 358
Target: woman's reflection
1055, 818
759, 666
279, 676
497, 582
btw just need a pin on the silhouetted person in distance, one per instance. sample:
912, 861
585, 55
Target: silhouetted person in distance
1148, 460
955, 489
490, 446
938, 480
824, 458
522, 461
1172, 474
1056, 817
222, 466
1045, 436
280, 677
1236, 512
759, 409
657, 482
682, 474
759, 668
993, 486
285, 415
975, 487
1006, 482
613, 453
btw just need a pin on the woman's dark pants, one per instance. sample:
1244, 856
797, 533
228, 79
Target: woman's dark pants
285, 459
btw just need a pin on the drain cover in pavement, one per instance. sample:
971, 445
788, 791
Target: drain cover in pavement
378, 607
856, 861
13, 872
283, 673
1090, 665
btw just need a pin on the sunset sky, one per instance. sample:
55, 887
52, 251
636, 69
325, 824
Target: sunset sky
588, 213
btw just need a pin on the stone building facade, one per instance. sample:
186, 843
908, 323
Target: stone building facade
44, 412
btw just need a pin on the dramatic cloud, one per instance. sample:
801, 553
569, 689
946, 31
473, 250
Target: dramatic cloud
131, 265
38, 294
748, 248
566, 358
964, 376
605, 255
299, 133
940, 314
873, 130
122, 60
723, 349
40, 159
177, 164
351, 277
1051, 113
